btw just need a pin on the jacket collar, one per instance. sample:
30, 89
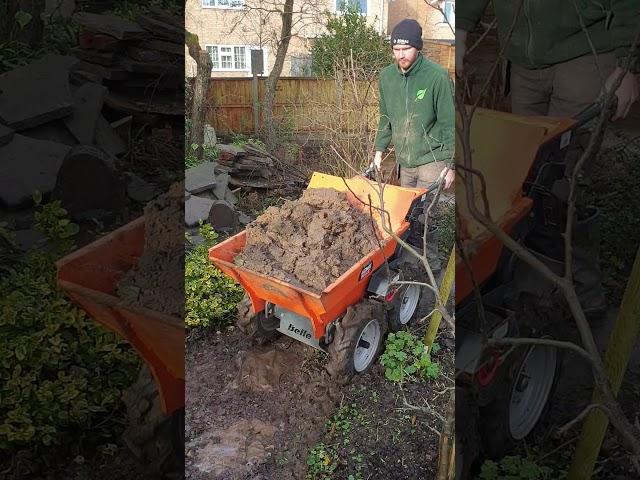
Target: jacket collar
413, 68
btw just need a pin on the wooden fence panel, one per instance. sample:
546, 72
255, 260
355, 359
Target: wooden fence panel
307, 105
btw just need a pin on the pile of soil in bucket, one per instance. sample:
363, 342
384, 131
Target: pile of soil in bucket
157, 281
311, 241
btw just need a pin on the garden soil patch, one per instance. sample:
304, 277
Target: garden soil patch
157, 281
310, 241
254, 413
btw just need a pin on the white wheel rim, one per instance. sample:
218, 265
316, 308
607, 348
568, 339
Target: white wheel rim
366, 346
531, 390
408, 303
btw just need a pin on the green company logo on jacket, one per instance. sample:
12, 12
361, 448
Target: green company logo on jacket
420, 94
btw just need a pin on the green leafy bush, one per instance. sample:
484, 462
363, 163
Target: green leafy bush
350, 36
406, 357
51, 219
59, 371
191, 158
211, 297
514, 468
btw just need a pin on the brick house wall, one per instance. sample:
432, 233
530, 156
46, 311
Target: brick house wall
432, 21
233, 27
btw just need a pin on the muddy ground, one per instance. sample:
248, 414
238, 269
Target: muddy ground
309, 241
255, 412
263, 412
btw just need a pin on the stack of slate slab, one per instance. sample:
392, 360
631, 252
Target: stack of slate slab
209, 199
44, 119
134, 58
246, 166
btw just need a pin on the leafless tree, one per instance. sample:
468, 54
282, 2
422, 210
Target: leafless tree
200, 90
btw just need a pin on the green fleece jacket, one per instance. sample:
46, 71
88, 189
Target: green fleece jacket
548, 32
416, 113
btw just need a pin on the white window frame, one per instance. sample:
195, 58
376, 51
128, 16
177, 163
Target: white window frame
219, 68
335, 6
247, 50
223, 7
444, 16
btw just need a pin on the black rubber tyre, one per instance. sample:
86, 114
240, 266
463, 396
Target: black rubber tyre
495, 428
342, 349
156, 439
467, 437
261, 329
408, 271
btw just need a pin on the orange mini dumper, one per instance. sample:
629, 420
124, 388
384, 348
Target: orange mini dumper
502, 393
155, 403
349, 319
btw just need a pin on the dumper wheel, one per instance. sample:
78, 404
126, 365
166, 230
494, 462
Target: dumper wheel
357, 342
402, 309
261, 329
156, 439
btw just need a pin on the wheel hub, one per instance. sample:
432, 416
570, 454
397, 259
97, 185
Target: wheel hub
531, 390
367, 345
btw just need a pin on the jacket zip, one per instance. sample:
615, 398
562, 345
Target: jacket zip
527, 16
406, 103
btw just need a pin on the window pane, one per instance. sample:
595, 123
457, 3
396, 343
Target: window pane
224, 3
363, 6
225, 49
208, 3
240, 58
449, 12
213, 52
237, 3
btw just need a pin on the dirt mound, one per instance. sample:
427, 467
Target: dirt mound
262, 371
310, 241
157, 280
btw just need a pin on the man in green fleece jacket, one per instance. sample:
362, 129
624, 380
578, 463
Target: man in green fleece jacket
553, 69
417, 112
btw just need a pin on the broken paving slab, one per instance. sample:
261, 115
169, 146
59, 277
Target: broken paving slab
55, 131
223, 217
6, 135
222, 186
27, 165
88, 184
162, 29
200, 178
230, 150
115, 26
140, 190
36, 93
196, 209
230, 197
244, 219
88, 100
107, 139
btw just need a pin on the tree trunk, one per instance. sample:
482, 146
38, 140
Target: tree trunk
274, 75
200, 90
447, 441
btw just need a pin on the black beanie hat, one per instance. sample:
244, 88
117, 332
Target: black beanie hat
407, 32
